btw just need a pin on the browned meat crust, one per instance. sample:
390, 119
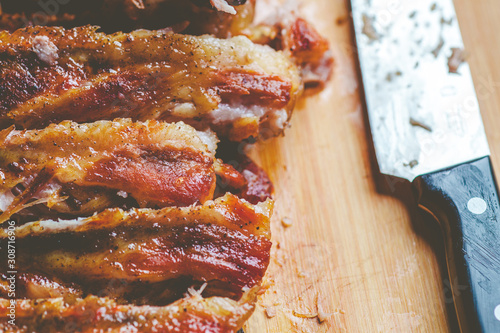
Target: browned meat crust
192, 314
80, 169
301, 42
292, 34
194, 17
310, 50
224, 243
237, 88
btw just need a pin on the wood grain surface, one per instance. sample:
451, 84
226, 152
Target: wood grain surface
370, 260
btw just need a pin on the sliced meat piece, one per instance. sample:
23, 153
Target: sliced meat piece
298, 39
192, 314
232, 86
78, 169
225, 242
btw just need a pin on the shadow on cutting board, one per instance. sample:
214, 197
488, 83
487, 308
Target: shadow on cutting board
426, 227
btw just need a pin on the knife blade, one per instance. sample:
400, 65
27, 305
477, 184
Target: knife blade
426, 128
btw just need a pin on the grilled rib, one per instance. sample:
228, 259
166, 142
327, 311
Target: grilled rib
225, 242
79, 169
237, 88
192, 314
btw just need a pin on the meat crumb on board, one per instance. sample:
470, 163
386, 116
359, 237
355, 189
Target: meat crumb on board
286, 222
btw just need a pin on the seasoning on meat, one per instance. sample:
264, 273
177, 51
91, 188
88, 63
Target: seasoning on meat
79, 169
232, 86
144, 256
193, 314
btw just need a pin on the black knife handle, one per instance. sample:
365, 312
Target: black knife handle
464, 199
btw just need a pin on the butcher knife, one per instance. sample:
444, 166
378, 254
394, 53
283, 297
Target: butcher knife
426, 128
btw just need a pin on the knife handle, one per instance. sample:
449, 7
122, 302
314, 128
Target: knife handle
464, 199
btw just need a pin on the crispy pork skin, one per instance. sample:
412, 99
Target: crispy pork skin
225, 243
283, 31
193, 314
233, 86
79, 169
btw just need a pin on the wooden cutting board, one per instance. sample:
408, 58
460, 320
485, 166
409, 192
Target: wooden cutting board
366, 258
